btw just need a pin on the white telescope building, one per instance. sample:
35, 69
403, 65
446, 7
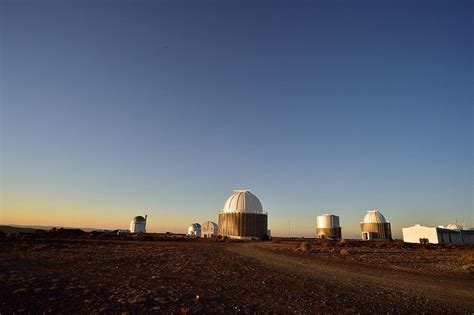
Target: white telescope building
375, 226
194, 230
451, 233
138, 224
243, 217
209, 229
327, 226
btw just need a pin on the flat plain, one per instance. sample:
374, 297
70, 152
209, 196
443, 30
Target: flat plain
84, 275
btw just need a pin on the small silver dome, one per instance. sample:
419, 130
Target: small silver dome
139, 219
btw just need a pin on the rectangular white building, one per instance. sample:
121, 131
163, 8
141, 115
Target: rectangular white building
436, 235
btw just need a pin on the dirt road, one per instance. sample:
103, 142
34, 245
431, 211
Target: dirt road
449, 289
199, 276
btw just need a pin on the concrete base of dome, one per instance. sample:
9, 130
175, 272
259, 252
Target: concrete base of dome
376, 231
241, 225
329, 233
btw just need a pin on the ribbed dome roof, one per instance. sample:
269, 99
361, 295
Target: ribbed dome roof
454, 226
209, 225
374, 216
243, 201
139, 219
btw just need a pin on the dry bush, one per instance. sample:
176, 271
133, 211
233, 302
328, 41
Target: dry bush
467, 258
305, 247
345, 251
468, 268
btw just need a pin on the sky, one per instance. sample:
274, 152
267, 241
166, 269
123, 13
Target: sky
111, 109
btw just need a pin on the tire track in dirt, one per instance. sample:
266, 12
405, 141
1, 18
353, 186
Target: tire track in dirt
354, 275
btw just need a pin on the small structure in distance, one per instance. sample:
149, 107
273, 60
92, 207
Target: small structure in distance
209, 229
327, 227
194, 230
451, 233
375, 226
138, 224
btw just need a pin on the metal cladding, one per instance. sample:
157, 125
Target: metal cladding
138, 224
375, 226
209, 229
327, 221
194, 230
243, 225
327, 226
243, 217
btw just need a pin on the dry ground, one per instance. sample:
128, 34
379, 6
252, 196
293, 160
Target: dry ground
83, 276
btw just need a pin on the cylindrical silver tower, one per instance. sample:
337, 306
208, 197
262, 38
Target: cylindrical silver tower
327, 226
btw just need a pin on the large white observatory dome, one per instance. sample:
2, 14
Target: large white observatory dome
374, 216
243, 201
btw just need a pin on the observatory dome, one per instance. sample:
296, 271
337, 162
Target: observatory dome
454, 226
243, 201
138, 219
194, 228
374, 216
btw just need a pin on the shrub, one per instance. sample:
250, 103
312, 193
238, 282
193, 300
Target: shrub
305, 247
467, 258
468, 268
345, 251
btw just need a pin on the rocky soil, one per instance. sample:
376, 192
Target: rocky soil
195, 276
430, 258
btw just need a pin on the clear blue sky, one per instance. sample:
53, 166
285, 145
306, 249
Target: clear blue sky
113, 107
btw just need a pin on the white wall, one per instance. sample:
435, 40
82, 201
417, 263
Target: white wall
137, 227
414, 233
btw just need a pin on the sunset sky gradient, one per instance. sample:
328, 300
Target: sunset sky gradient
111, 109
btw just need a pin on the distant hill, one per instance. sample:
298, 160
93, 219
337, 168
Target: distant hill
12, 229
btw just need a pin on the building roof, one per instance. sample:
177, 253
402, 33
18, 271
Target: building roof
243, 200
209, 225
374, 216
194, 227
440, 228
139, 219
453, 226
